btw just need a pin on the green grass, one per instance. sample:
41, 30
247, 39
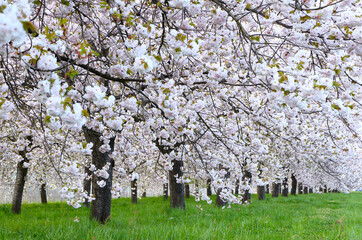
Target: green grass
313, 216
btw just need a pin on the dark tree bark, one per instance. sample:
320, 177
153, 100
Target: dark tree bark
196, 187
267, 189
43, 194
325, 189
87, 185
134, 191
305, 190
165, 191
261, 192
275, 190
294, 185
285, 187
310, 190
101, 206
177, 190
144, 194
280, 188
187, 190
19, 184
247, 177
208, 190
219, 201
300, 188
237, 186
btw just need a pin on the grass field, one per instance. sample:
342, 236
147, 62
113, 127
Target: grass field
313, 216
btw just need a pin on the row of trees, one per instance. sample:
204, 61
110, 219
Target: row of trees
109, 93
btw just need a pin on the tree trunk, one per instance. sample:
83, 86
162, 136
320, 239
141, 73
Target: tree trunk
144, 194
325, 190
285, 187
196, 187
101, 206
219, 201
294, 185
208, 190
305, 190
261, 192
275, 190
280, 188
177, 190
300, 188
247, 177
165, 191
187, 190
237, 186
310, 190
87, 186
19, 185
267, 189
43, 194
134, 191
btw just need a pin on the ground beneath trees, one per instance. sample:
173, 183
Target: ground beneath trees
312, 216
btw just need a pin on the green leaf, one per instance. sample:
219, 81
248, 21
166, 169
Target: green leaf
66, 3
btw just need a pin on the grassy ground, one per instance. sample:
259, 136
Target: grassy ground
313, 216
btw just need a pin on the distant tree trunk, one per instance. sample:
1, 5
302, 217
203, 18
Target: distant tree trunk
187, 190
285, 187
165, 191
275, 190
294, 185
247, 177
219, 200
177, 190
101, 206
305, 190
43, 194
310, 190
261, 192
196, 187
208, 190
87, 185
19, 184
325, 190
267, 189
300, 188
144, 194
280, 188
134, 191
237, 186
